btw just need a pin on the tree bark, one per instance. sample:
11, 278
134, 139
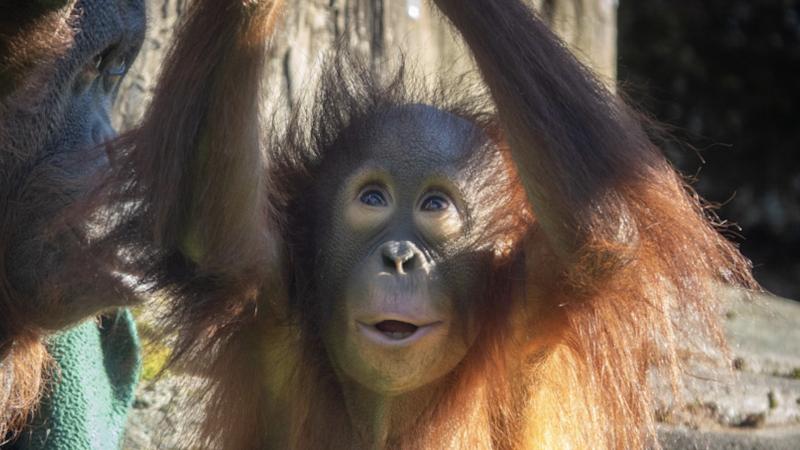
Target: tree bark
376, 29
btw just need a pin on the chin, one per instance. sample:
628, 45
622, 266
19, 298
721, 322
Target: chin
393, 358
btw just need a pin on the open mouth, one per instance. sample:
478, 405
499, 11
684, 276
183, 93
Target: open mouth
395, 329
394, 332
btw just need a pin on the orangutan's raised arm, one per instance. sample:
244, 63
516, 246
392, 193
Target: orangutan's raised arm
195, 165
577, 148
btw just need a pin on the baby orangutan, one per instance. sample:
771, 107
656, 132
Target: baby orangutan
408, 271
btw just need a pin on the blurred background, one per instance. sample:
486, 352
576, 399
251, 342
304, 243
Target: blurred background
725, 75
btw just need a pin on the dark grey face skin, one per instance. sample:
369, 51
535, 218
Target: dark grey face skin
52, 144
398, 257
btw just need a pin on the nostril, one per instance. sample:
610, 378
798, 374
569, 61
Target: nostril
400, 257
399, 263
409, 263
388, 262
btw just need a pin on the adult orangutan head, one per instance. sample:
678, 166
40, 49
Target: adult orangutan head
61, 62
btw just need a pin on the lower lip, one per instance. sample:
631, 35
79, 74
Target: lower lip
378, 337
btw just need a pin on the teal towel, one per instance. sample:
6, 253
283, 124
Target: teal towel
87, 405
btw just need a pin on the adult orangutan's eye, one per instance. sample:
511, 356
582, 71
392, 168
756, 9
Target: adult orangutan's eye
373, 197
435, 203
112, 72
107, 68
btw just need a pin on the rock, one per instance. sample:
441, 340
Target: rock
164, 414
682, 438
757, 405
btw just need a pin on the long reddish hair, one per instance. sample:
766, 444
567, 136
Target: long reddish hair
216, 221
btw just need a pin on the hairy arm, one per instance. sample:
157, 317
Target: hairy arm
187, 196
577, 148
195, 166
633, 241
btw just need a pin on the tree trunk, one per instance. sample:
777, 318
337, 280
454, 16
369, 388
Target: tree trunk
377, 29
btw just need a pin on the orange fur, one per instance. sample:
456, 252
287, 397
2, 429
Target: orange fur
604, 266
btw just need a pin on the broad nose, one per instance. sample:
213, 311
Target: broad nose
401, 257
102, 130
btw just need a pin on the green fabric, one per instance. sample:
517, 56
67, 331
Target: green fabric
88, 402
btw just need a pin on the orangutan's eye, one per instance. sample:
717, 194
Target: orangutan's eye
373, 197
107, 68
113, 71
435, 203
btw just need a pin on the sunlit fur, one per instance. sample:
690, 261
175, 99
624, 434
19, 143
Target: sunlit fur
32, 35
566, 343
